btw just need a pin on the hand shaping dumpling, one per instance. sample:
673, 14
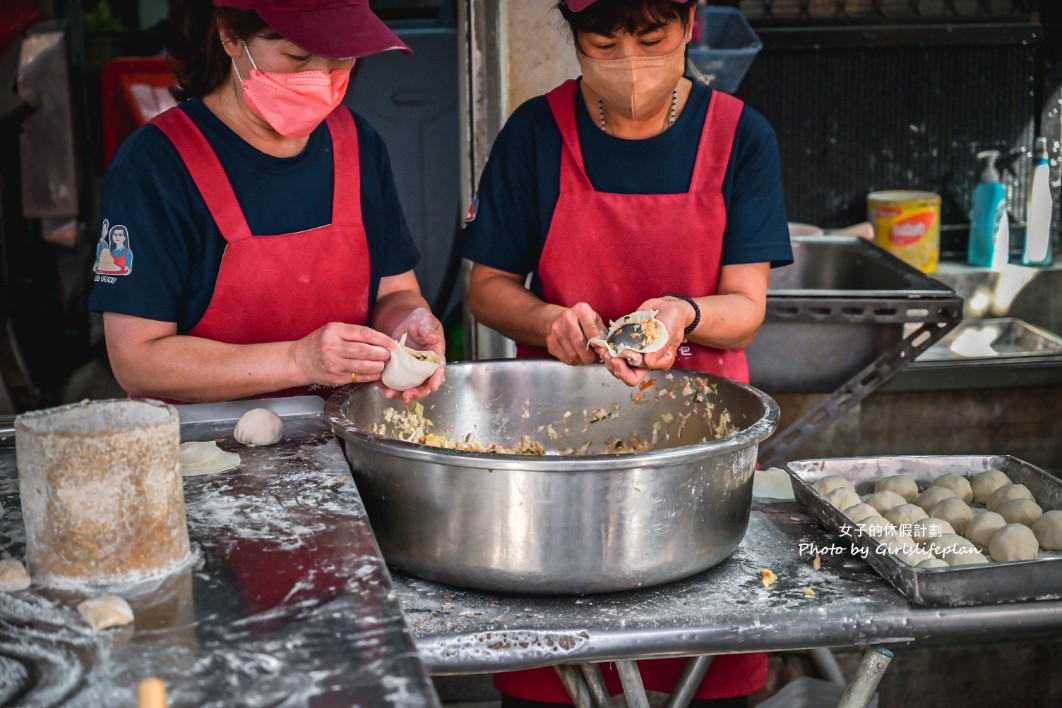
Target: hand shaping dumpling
638, 332
408, 368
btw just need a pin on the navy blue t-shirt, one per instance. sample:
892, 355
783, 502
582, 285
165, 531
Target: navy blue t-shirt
520, 184
176, 243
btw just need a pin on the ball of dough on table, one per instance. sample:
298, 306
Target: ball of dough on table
956, 483
953, 510
933, 495
948, 545
13, 576
929, 529
860, 511
1005, 494
902, 484
877, 527
1013, 542
905, 514
933, 563
258, 426
983, 526
883, 501
829, 483
842, 498
1048, 530
1020, 511
984, 483
105, 611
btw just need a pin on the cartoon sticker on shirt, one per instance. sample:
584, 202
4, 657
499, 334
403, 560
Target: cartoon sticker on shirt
113, 255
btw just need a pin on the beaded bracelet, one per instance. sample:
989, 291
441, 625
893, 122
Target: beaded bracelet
696, 310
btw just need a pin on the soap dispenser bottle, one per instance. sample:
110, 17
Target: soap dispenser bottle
989, 228
1037, 248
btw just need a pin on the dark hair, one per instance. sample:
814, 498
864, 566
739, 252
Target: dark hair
607, 17
197, 58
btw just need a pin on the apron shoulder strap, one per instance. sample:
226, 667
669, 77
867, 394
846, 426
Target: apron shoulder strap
346, 162
209, 176
717, 142
562, 104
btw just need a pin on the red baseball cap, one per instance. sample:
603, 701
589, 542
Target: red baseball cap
329, 28
580, 5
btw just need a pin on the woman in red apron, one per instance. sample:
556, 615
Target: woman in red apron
272, 255
635, 218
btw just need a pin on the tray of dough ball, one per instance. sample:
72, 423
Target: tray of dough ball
945, 530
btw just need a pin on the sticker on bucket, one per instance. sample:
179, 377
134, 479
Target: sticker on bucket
907, 224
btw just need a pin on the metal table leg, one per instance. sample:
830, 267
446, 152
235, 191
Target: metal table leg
574, 684
871, 669
595, 682
694, 671
633, 689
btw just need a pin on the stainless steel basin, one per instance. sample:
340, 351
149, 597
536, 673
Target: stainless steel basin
821, 327
559, 523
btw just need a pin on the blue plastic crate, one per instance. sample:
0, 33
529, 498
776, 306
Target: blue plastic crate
725, 50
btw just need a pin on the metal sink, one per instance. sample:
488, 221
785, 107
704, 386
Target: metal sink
840, 305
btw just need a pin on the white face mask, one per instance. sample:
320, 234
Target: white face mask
634, 86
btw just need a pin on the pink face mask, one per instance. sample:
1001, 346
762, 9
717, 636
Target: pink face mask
296, 103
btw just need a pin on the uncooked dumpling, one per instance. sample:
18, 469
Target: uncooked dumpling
105, 611
652, 336
902, 484
949, 546
258, 427
13, 576
883, 501
1020, 511
933, 563
953, 510
206, 458
408, 368
933, 495
831, 482
983, 526
1005, 494
956, 483
1048, 530
929, 529
905, 514
842, 498
1013, 542
984, 483
877, 527
860, 511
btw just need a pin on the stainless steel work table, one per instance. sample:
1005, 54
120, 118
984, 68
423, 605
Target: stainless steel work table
288, 602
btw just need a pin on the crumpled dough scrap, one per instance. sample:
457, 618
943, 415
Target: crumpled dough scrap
408, 368
206, 458
258, 427
13, 576
656, 335
105, 611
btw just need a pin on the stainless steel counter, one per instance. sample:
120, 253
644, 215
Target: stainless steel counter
723, 610
288, 602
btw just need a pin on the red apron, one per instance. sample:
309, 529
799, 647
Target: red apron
280, 287
600, 232
644, 244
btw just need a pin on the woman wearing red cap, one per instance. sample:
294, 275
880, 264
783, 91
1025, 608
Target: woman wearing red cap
272, 255
633, 188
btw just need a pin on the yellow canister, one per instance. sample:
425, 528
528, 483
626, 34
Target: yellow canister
907, 224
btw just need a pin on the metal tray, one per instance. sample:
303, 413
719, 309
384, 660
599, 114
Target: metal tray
993, 340
1039, 579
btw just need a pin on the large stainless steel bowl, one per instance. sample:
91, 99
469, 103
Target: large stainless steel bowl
559, 523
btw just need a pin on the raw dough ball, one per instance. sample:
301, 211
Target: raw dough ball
883, 501
1020, 511
968, 559
984, 483
258, 426
905, 514
1004, 494
876, 526
105, 611
902, 484
933, 495
860, 511
949, 546
842, 498
1048, 530
956, 483
953, 510
983, 526
834, 481
929, 529
933, 563
206, 458
13, 576
1013, 542
911, 554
